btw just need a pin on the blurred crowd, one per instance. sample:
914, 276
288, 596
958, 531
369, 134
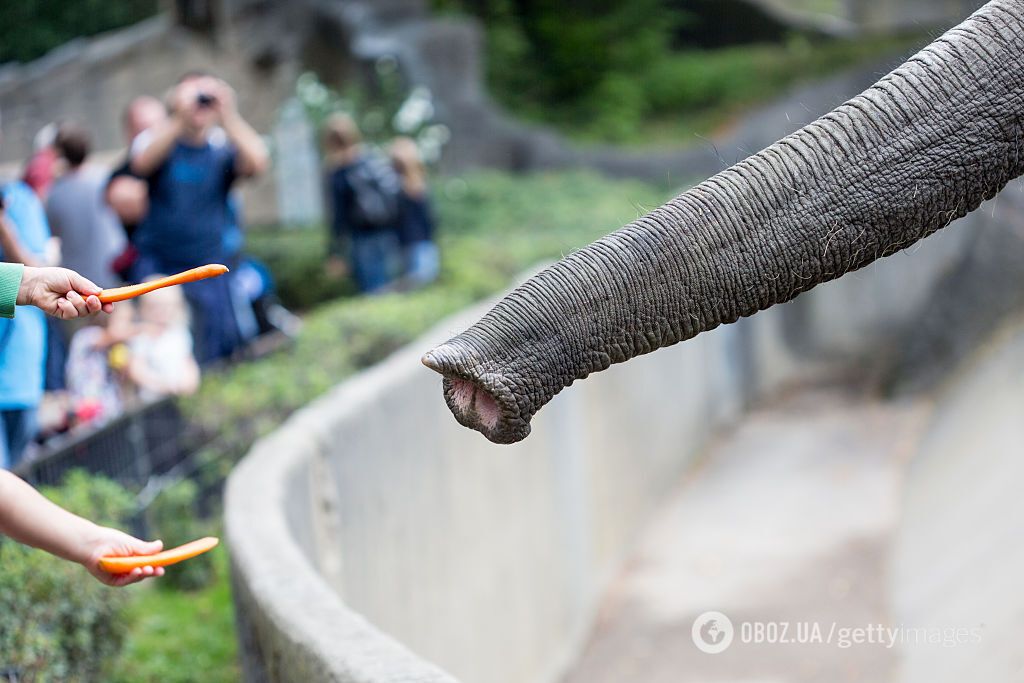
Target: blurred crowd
380, 213
170, 204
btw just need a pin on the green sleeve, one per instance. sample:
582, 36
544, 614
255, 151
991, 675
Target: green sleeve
10, 281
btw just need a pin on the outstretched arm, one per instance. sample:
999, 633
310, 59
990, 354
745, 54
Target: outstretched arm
253, 157
149, 157
29, 518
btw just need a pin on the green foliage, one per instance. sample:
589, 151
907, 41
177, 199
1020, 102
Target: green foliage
173, 518
180, 636
296, 259
544, 51
382, 113
57, 623
605, 71
31, 28
727, 77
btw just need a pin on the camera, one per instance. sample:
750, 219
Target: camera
205, 100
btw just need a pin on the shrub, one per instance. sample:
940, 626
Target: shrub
296, 257
609, 73
172, 517
56, 621
31, 28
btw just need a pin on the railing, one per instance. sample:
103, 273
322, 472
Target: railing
129, 449
145, 449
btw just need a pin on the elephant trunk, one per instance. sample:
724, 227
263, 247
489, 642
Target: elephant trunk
919, 149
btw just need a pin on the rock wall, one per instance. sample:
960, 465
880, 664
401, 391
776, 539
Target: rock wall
848, 17
884, 16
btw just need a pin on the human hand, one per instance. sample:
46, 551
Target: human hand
111, 542
224, 101
60, 292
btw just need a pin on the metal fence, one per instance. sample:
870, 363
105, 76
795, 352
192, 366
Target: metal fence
147, 447
130, 449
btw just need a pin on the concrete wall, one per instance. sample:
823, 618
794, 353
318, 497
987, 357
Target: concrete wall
487, 560
958, 559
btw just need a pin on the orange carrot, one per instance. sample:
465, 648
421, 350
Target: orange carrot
123, 565
108, 296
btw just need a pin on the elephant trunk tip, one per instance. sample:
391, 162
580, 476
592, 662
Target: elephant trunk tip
478, 400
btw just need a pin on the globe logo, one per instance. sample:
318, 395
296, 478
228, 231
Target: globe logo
712, 632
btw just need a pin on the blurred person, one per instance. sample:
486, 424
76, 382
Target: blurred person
24, 242
190, 164
24, 234
127, 193
256, 288
421, 258
363, 193
90, 234
28, 517
160, 353
25, 515
97, 363
41, 168
59, 292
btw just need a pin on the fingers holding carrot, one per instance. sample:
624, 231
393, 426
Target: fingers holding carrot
107, 543
60, 292
65, 294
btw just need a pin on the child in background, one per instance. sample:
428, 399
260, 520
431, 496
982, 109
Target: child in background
96, 362
161, 361
416, 222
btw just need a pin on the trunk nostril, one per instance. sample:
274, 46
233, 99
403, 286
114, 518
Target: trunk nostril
483, 401
475, 404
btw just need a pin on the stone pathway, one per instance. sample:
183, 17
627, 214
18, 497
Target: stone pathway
787, 519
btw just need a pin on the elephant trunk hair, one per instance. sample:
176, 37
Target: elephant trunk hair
919, 149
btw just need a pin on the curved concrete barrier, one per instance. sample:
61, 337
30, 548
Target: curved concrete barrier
370, 526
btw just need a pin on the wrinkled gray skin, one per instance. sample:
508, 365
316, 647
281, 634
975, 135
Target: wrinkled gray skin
919, 149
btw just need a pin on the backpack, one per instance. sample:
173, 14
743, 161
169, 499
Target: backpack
375, 190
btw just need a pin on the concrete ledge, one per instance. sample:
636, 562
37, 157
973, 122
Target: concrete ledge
293, 626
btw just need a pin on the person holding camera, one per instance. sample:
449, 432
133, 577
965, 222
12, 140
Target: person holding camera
190, 163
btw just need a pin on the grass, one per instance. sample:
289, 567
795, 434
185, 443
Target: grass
179, 636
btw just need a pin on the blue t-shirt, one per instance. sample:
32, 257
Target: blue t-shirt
23, 338
189, 211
